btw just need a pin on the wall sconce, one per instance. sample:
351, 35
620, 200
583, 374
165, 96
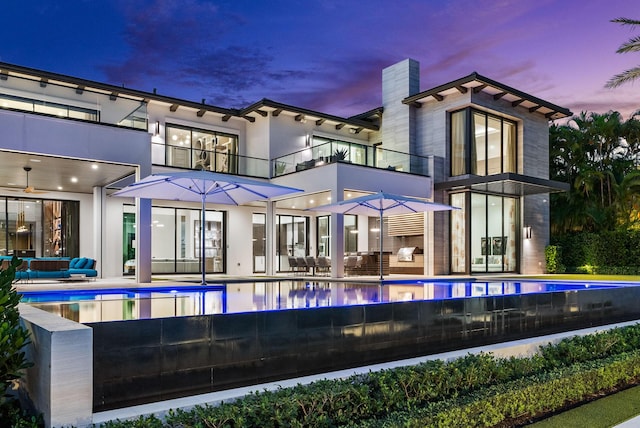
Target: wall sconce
307, 140
155, 129
526, 231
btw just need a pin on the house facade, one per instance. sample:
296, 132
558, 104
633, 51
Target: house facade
67, 144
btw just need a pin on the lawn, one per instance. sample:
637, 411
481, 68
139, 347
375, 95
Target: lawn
581, 277
603, 413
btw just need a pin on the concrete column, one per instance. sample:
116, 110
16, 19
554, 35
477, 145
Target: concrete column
270, 244
143, 232
60, 383
337, 238
99, 227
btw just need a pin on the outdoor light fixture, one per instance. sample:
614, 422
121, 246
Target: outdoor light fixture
155, 128
526, 231
307, 140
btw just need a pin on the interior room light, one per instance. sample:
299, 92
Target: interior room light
526, 231
74, 179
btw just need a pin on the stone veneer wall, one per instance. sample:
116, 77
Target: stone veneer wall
60, 383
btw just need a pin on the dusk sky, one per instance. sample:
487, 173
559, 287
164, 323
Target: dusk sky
328, 55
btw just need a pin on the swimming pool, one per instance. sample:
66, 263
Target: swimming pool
160, 302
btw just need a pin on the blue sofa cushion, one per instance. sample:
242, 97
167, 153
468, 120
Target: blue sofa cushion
73, 262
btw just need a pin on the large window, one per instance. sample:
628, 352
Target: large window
176, 239
259, 243
491, 222
201, 149
482, 144
292, 234
39, 227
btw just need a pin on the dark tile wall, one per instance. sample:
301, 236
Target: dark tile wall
148, 360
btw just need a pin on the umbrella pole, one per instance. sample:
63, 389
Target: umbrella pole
381, 227
202, 241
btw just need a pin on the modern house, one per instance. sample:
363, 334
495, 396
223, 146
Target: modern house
67, 143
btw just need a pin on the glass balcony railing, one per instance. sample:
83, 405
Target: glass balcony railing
186, 157
356, 154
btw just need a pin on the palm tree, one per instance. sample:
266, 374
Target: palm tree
632, 45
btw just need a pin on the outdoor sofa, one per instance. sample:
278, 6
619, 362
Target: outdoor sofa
52, 267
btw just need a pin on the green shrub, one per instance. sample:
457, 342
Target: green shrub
553, 259
13, 339
608, 252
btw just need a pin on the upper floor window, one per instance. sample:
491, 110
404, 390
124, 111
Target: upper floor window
201, 149
482, 144
48, 108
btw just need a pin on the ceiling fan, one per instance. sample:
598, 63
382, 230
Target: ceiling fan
30, 189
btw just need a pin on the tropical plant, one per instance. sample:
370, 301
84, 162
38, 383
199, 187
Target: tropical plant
597, 154
13, 338
341, 154
631, 45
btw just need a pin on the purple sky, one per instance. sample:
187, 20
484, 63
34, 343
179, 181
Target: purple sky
328, 55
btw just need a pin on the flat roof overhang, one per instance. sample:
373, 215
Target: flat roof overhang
477, 83
507, 184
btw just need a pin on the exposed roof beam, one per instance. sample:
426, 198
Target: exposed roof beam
534, 108
262, 113
113, 96
550, 114
300, 118
461, 89
517, 102
416, 104
355, 130
249, 118
276, 112
478, 89
174, 107
226, 117
340, 126
79, 89
437, 97
320, 122
201, 112
43, 82
499, 95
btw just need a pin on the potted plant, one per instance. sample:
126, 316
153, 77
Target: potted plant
279, 168
340, 155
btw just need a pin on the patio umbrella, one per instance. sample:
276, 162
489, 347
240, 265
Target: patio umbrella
382, 204
205, 187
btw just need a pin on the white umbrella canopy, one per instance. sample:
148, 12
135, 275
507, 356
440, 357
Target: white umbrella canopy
204, 187
382, 204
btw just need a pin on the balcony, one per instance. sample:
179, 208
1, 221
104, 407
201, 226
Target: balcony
209, 160
353, 153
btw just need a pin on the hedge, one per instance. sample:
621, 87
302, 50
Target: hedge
521, 399
608, 252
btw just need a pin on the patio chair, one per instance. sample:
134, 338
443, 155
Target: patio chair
351, 263
302, 264
293, 264
323, 265
311, 263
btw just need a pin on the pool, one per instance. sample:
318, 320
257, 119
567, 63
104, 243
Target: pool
103, 305
159, 347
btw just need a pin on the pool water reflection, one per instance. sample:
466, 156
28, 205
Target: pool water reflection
160, 302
